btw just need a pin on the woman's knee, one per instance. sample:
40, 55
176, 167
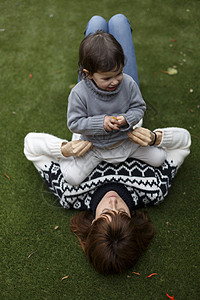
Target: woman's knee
97, 19
160, 158
72, 179
96, 23
118, 20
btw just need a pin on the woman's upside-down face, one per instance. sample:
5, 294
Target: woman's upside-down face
111, 201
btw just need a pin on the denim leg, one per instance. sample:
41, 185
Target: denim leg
96, 23
119, 27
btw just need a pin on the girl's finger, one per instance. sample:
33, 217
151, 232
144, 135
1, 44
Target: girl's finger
111, 126
114, 120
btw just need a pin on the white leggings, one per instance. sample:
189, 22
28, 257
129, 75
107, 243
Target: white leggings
76, 169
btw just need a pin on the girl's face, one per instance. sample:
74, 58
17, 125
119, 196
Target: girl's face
111, 202
107, 81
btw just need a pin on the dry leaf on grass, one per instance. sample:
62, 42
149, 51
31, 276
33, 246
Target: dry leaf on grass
171, 71
136, 273
150, 275
6, 176
65, 277
32, 253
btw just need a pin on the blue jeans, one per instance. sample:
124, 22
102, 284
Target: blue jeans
119, 27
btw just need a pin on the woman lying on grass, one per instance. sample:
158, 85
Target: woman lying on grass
111, 233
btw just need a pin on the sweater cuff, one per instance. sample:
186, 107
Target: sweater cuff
97, 124
55, 146
167, 137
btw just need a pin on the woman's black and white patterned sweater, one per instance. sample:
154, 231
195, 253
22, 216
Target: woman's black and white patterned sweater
147, 185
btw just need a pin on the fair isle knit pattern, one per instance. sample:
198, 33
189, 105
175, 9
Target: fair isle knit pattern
147, 185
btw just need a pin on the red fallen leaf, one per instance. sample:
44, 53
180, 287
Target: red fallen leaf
136, 273
170, 297
166, 72
65, 277
31, 76
174, 40
6, 176
150, 275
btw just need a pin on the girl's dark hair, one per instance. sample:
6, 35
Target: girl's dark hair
113, 246
100, 51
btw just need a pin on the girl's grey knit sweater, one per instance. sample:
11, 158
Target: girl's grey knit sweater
88, 105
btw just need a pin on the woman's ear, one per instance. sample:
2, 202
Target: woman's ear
87, 73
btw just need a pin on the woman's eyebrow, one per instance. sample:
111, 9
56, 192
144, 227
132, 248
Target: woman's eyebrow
108, 210
105, 210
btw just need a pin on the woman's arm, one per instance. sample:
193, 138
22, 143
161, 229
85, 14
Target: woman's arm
43, 148
175, 141
144, 137
46, 152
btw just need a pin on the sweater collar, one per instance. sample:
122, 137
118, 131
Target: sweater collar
103, 95
118, 188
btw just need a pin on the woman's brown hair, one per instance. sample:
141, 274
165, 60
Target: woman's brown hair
100, 52
113, 245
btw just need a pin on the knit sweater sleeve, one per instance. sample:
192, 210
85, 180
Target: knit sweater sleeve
78, 120
176, 142
42, 149
137, 105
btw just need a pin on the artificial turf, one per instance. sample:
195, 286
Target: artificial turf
39, 43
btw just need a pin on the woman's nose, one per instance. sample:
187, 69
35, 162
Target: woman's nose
113, 202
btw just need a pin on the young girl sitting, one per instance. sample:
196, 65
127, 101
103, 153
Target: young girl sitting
103, 107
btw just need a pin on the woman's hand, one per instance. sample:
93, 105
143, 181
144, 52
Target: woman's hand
75, 148
144, 137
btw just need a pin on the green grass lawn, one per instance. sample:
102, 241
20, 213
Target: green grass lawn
42, 38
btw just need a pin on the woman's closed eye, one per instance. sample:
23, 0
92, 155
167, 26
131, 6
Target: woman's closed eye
121, 210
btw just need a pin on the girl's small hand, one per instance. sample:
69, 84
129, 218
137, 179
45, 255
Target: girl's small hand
75, 148
121, 121
110, 123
